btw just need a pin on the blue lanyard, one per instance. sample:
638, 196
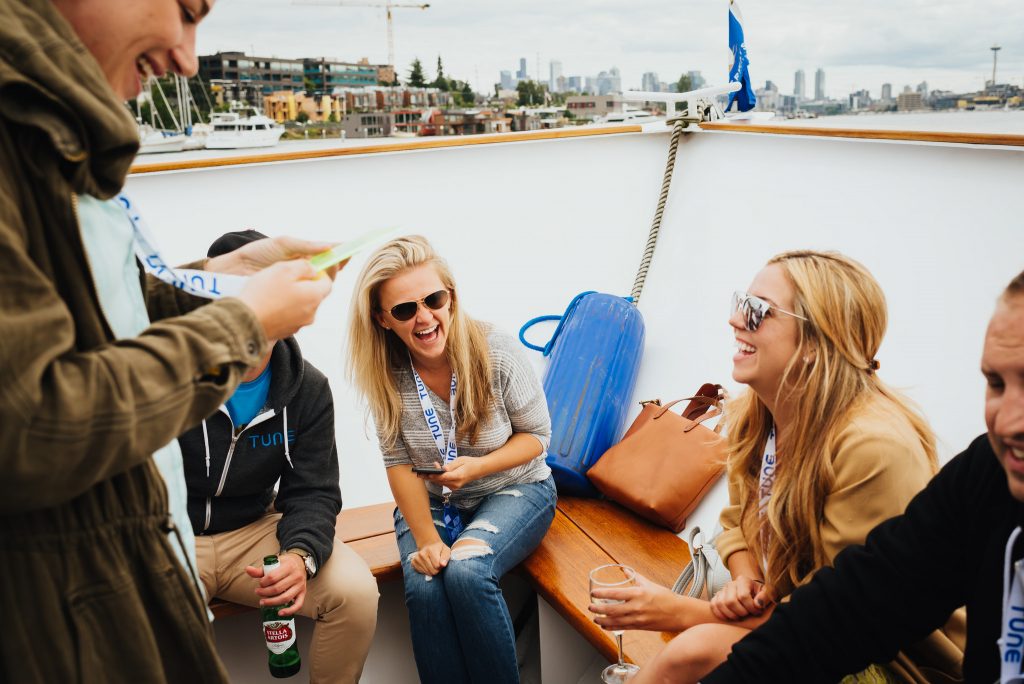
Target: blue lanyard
446, 449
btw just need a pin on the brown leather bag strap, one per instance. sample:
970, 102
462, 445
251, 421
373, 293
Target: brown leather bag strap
707, 396
700, 419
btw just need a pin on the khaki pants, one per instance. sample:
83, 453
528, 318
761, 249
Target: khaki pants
342, 598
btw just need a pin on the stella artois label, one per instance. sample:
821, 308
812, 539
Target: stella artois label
280, 634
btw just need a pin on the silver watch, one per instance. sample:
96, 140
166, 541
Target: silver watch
307, 560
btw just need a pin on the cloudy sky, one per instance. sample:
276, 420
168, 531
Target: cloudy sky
859, 43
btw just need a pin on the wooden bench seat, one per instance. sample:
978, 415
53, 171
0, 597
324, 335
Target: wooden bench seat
585, 533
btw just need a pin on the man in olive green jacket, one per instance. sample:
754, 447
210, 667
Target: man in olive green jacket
92, 589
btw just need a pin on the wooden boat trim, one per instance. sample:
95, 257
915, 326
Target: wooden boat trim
1005, 139
421, 144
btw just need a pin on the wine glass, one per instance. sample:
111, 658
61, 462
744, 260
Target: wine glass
614, 577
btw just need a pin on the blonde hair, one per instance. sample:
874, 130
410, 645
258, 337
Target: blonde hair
375, 351
846, 320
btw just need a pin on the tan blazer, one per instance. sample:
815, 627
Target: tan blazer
879, 467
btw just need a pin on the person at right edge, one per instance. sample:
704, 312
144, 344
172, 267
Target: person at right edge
92, 393
959, 542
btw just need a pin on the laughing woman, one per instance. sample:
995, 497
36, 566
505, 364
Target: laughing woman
450, 392
820, 451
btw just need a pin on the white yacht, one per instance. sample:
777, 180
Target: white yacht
242, 128
630, 115
153, 140
934, 216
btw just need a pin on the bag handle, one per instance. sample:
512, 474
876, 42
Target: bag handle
696, 575
709, 395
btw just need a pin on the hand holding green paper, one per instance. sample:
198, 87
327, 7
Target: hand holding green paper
345, 250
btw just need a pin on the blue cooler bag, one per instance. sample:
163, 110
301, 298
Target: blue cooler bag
595, 358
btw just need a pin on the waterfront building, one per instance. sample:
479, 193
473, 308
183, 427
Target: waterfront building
555, 80
367, 125
696, 80
886, 92
819, 84
798, 84
593, 106
251, 77
286, 105
860, 99
908, 101
922, 88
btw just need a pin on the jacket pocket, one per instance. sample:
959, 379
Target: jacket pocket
112, 643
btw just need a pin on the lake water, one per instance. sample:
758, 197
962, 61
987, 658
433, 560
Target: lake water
983, 121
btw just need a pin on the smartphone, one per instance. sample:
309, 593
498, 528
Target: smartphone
428, 470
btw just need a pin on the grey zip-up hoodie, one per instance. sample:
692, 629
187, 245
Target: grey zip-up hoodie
231, 472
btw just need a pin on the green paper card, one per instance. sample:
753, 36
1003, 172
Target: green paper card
336, 255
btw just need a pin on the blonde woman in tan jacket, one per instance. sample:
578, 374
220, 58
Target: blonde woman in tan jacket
820, 451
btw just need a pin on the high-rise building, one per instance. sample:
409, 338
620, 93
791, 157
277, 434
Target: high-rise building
819, 84
650, 82
506, 81
886, 92
922, 88
521, 74
696, 79
575, 84
799, 88
555, 76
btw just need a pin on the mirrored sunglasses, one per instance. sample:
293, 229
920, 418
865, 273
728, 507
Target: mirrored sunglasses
433, 301
755, 310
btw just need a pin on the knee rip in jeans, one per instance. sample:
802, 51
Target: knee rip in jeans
470, 547
485, 525
509, 492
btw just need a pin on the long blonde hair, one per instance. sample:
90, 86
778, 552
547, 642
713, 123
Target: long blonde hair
831, 373
375, 351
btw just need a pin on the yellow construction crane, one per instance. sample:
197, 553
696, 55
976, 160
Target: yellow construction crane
386, 5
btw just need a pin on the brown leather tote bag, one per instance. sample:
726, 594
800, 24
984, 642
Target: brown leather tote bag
665, 463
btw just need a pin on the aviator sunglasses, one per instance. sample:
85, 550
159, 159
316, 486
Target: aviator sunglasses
406, 310
755, 310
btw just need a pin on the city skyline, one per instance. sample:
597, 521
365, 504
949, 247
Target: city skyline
860, 44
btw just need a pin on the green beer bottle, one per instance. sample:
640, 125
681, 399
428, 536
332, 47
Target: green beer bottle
279, 633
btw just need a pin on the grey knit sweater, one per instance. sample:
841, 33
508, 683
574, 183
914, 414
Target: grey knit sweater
518, 406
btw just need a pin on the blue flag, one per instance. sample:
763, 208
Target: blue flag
744, 97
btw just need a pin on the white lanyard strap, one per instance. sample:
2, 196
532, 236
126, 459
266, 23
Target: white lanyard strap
764, 490
199, 283
767, 477
448, 451
1011, 644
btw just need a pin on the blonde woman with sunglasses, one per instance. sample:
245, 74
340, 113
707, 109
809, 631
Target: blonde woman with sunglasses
820, 451
463, 428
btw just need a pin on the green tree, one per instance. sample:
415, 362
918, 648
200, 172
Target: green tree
302, 117
468, 96
441, 82
684, 83
416, 79
530, 93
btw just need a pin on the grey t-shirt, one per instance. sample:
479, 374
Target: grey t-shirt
518, 406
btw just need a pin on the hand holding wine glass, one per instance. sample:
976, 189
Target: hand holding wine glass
614, 577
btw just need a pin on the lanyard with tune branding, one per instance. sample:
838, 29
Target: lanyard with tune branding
1011, 644
447, 449
199, 283
764, 488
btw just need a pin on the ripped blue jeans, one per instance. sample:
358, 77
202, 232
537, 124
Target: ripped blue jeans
461, 628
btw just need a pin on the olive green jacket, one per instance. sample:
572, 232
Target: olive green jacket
83, 512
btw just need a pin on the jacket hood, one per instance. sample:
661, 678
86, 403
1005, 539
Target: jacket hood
49, 81
286, 369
